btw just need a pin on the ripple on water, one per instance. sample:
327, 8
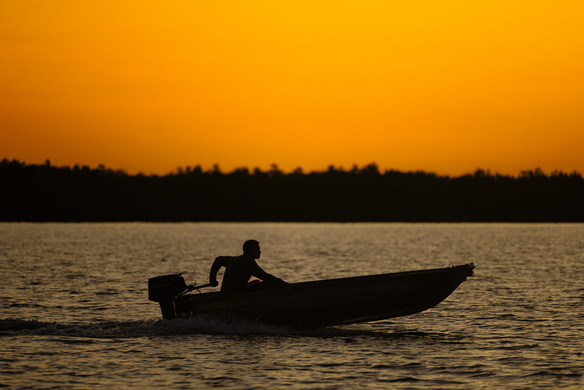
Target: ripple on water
75, 311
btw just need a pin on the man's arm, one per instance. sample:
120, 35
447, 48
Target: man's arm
219, 262
259, 273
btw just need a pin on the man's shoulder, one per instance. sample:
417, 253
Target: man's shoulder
223, 260
244, 259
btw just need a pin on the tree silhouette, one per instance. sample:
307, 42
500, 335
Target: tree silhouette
48, 193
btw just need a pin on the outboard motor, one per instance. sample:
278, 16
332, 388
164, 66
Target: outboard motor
163, 289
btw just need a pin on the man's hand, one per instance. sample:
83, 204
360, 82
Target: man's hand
213, 283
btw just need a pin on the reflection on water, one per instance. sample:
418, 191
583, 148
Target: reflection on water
74, 309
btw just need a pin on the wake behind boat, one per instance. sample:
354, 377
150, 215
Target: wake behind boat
316, 303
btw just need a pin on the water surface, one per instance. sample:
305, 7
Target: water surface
74, 311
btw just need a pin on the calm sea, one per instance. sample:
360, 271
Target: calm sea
74, 311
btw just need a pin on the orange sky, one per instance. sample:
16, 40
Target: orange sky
147, 86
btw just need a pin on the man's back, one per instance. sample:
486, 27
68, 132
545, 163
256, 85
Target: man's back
238, 271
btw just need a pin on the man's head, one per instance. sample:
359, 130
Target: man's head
252, 248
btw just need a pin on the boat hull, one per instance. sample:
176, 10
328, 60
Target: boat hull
334, 301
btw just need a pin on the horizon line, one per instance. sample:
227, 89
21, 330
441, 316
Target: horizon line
537, 171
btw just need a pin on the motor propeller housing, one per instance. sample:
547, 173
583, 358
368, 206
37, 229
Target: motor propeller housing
165, 288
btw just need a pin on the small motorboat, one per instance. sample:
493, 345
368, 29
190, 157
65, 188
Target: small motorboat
316, 303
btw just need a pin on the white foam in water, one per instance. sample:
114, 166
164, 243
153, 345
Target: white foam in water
206, 324
161, 327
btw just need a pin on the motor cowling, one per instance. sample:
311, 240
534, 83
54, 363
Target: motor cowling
166, 288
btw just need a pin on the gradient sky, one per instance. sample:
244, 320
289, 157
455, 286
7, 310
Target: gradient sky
148, 86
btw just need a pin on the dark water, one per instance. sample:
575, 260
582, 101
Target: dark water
74, 311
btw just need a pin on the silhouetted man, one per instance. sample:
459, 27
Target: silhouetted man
239, 269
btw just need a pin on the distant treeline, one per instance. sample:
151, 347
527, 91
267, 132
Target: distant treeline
49, 193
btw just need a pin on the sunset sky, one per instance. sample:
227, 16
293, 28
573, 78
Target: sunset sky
148, 86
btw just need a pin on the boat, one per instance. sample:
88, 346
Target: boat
315, 303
